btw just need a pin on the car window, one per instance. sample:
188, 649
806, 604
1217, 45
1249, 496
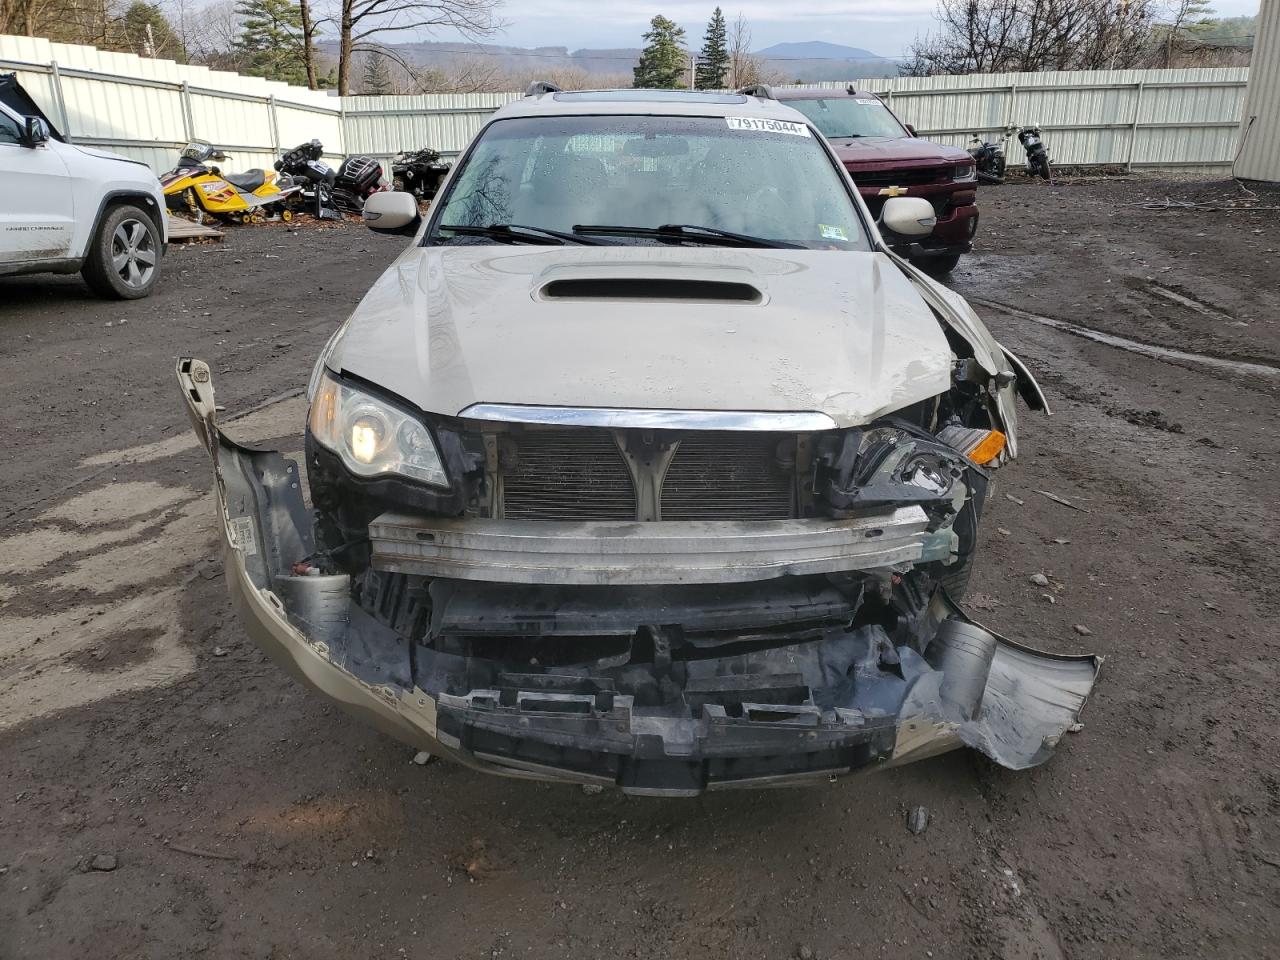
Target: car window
841, 118
10, 132
767, 179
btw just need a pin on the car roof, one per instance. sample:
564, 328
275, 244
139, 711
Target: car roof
679, 103
822, 93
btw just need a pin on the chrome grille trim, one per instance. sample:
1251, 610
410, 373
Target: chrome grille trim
636, 418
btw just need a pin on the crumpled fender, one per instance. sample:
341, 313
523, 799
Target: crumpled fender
956, 313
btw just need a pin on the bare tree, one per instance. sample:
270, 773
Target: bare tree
211, 36
745, 68
365, 25
990, 36
309, 44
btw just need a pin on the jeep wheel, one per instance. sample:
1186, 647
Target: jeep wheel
123, 260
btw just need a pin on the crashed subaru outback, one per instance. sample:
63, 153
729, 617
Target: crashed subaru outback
647, 464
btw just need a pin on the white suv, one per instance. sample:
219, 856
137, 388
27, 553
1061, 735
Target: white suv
65, 208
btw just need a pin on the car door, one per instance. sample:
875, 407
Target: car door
36, 211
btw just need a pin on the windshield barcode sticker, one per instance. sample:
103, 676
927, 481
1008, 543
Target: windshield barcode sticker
762, 125
868, 103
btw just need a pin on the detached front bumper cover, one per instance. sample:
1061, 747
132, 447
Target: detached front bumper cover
864, 702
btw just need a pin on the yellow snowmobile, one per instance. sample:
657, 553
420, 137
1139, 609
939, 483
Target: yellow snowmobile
197, 188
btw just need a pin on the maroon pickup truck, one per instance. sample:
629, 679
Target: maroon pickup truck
886, 159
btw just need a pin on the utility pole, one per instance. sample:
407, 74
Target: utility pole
693, 71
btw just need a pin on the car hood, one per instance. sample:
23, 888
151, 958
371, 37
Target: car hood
841, 333
884, 150
106, 155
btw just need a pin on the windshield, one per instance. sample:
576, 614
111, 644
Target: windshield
643, 172
840, 118
197, 150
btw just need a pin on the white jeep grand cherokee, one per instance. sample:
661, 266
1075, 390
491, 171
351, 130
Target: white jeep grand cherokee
647, 464
65, 208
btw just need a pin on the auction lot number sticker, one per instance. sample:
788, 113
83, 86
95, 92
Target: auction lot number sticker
764, 125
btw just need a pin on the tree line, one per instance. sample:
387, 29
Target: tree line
998, 36
277, 39
724, 61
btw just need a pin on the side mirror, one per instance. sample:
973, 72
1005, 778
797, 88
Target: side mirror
907, 218
34, 132
910, 129
391, 211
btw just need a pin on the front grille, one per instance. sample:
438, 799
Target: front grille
730, 476
907, 177
582, 474
941, 204
567, 475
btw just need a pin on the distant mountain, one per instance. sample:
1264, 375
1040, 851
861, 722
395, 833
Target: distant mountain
510, 60
814, 60
803, 62
816, 49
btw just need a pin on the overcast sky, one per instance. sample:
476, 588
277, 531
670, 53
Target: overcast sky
881, 26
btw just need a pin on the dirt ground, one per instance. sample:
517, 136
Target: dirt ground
166, 792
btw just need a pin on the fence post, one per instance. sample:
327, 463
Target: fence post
1013, 104
275, 128
342, 126
62, 103
1133, 131
188, 118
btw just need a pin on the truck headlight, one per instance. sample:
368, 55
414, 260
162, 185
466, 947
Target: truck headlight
373, 437
963, 171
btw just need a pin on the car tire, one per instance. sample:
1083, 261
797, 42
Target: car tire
938, 266
123, 260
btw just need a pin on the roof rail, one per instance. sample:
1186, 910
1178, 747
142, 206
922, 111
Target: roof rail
761, 90
539, 87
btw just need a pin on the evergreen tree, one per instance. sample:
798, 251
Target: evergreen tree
160, 41
375, 80
713, 62
662, 62
271, 40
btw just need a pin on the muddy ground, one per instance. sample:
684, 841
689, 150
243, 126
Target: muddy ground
232, 814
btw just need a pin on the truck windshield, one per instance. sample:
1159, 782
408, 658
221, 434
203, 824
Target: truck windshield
841, 118
764, 180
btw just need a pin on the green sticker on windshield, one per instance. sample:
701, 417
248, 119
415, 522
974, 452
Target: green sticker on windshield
832, 233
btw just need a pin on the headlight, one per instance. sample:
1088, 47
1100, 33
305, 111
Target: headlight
373, 438
963, 171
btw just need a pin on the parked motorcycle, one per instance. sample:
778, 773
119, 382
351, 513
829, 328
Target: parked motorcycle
198, 187
989, 156
304, 166
1037, 152
418, 172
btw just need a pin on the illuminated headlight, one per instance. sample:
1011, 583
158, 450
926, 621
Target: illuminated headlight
373, 438
963, 171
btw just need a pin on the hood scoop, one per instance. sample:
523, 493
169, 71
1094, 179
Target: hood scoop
676, 289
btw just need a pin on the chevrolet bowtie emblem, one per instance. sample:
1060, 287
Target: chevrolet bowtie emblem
893, 191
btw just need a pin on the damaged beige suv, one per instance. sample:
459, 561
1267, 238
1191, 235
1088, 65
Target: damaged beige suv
647, 464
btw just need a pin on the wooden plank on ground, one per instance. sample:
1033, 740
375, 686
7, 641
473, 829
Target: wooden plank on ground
180, 229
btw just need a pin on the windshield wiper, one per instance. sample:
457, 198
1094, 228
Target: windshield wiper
686, 231
516, 233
